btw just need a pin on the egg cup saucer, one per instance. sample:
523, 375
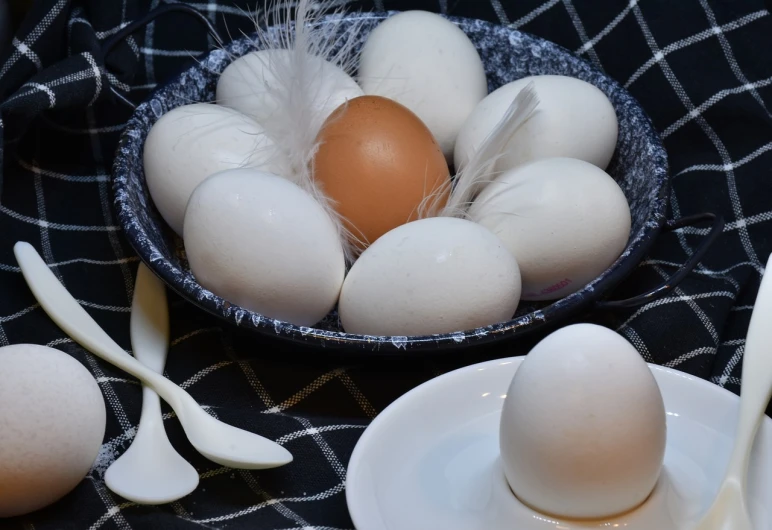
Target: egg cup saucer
431, 459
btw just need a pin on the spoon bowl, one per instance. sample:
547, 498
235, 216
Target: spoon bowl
150, 471
228, 445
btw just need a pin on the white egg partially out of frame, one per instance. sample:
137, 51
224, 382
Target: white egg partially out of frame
52, 424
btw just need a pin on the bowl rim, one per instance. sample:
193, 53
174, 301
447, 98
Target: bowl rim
636, 248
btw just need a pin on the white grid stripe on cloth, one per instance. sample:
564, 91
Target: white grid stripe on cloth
673, 299
500, 13
335, 490
723, 167
577, 21
279, 507
723, 379
309, 429
131, 259
99, 34
639, 344
588, 45
44, 239
732, 226
63, 176
677, 213
57, 226
695, 307
694, 39
47, 91
25, 51
695, 113
23, 47
149, 34
81, 75
715, 28
704, 350
522, 21
19, 313
107, 212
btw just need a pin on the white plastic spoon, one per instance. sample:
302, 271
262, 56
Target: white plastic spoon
217, 441
729, 510
150, 471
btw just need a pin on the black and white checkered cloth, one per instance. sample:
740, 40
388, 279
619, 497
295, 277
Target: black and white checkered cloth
700, 68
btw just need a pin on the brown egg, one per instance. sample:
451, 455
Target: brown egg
377, 161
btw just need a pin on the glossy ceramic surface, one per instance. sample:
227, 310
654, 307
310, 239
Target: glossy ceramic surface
639, 165
431, 459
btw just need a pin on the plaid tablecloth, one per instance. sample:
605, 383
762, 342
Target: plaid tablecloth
700, 68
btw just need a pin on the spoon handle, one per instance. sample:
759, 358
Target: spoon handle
149, 320
756, 377
76, 322
150, 338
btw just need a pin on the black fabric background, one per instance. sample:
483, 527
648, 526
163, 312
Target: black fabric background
701, 69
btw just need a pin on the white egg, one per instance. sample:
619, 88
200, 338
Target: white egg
436, 275
52, 422
429, 65
566, 221
574, 119
249, 84
260, 242
583, 425
189, 143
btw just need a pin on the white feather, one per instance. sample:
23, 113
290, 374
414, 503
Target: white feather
310, 48
471, 178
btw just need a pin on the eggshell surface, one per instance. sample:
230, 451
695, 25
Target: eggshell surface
566, 221
249, 84
583, 425
574, 119
377, 162
261, 242
436, 275
428, 64
189, 143
52, 422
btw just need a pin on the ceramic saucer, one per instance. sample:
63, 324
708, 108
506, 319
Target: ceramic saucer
431, 459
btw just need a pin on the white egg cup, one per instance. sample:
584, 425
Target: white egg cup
432, 459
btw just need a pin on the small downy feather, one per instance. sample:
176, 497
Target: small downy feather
479, 171
308, 44
304, 45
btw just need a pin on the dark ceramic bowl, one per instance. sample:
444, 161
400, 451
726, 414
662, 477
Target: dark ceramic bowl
639, 166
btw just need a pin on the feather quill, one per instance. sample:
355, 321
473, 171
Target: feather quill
479, 171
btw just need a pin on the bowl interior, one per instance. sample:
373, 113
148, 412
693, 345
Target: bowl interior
639, 166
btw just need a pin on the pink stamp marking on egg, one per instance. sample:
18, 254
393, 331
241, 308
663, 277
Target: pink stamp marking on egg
552, 288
